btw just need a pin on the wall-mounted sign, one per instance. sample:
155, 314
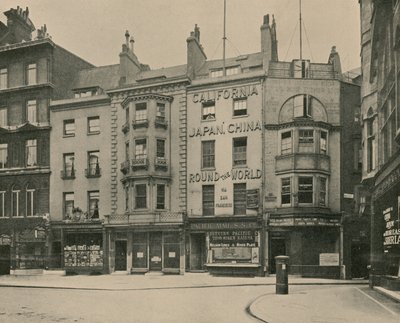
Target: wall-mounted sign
329, 259
234, 93
252, 198
391, 234
236, 238
234, 174
313, 221
223, 225
222, 129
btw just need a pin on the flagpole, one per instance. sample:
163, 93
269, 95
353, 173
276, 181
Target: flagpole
223, 42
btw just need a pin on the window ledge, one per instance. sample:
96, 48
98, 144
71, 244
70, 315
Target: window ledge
93, 133
68, 136
241, 116
240, 166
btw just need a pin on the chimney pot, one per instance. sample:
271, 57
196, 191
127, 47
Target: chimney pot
266, 20
132, 41
127, 38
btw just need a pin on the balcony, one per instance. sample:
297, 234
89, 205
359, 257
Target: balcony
142, 123
125, 166
68, 173
161, 163
302, 162
160, 122
140, 163
93, 172
125, 127
148, 218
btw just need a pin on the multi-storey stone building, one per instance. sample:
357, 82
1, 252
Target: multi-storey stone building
215, 165
33, 70
380, 43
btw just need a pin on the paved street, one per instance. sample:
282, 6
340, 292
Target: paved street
350, 303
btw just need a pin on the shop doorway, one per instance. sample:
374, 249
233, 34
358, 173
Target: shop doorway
198, 252
5, 260
155, 251
120, 255
56, 254
359, 260
278, 248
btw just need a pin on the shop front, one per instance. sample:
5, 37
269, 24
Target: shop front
230, 246
386, 231
78, 248
23, 245
142, 250
313, 245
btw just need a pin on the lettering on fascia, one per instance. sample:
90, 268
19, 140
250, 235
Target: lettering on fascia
222, 129
234, 174
234, 93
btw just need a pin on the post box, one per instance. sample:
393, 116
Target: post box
282, 269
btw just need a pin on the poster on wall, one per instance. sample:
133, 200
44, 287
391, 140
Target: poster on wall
252, 199
329, 259
391, 233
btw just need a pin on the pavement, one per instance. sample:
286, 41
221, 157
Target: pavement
300, 305
119, 281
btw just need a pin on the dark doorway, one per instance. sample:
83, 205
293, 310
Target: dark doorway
56, 255
5, 260
197, 251
155, 251
120, 255
278, 248
359, 260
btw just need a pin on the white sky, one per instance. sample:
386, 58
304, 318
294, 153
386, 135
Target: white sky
94, 29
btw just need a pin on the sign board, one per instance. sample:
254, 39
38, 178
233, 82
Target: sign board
309, 221
223, 225
329, 259
252, 198
233, 238
391, 234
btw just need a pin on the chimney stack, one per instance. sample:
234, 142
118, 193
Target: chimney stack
269, 43
129, 64
195, 53
334, 59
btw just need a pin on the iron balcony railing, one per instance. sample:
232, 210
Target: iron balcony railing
93, 172
161, 163
125, 166
140, 162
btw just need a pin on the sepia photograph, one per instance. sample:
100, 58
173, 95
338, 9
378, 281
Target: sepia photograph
200, 161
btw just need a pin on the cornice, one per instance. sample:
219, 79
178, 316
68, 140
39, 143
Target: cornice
147, 96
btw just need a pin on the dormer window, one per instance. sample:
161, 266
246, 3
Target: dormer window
85, 93
228, 71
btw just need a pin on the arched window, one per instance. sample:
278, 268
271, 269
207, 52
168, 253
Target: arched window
302, 106
15, 201
30, 200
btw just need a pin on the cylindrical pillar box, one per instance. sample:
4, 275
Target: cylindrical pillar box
282, 268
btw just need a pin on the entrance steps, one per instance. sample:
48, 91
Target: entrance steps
26, 272
154, 273
120, 272
54, 272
